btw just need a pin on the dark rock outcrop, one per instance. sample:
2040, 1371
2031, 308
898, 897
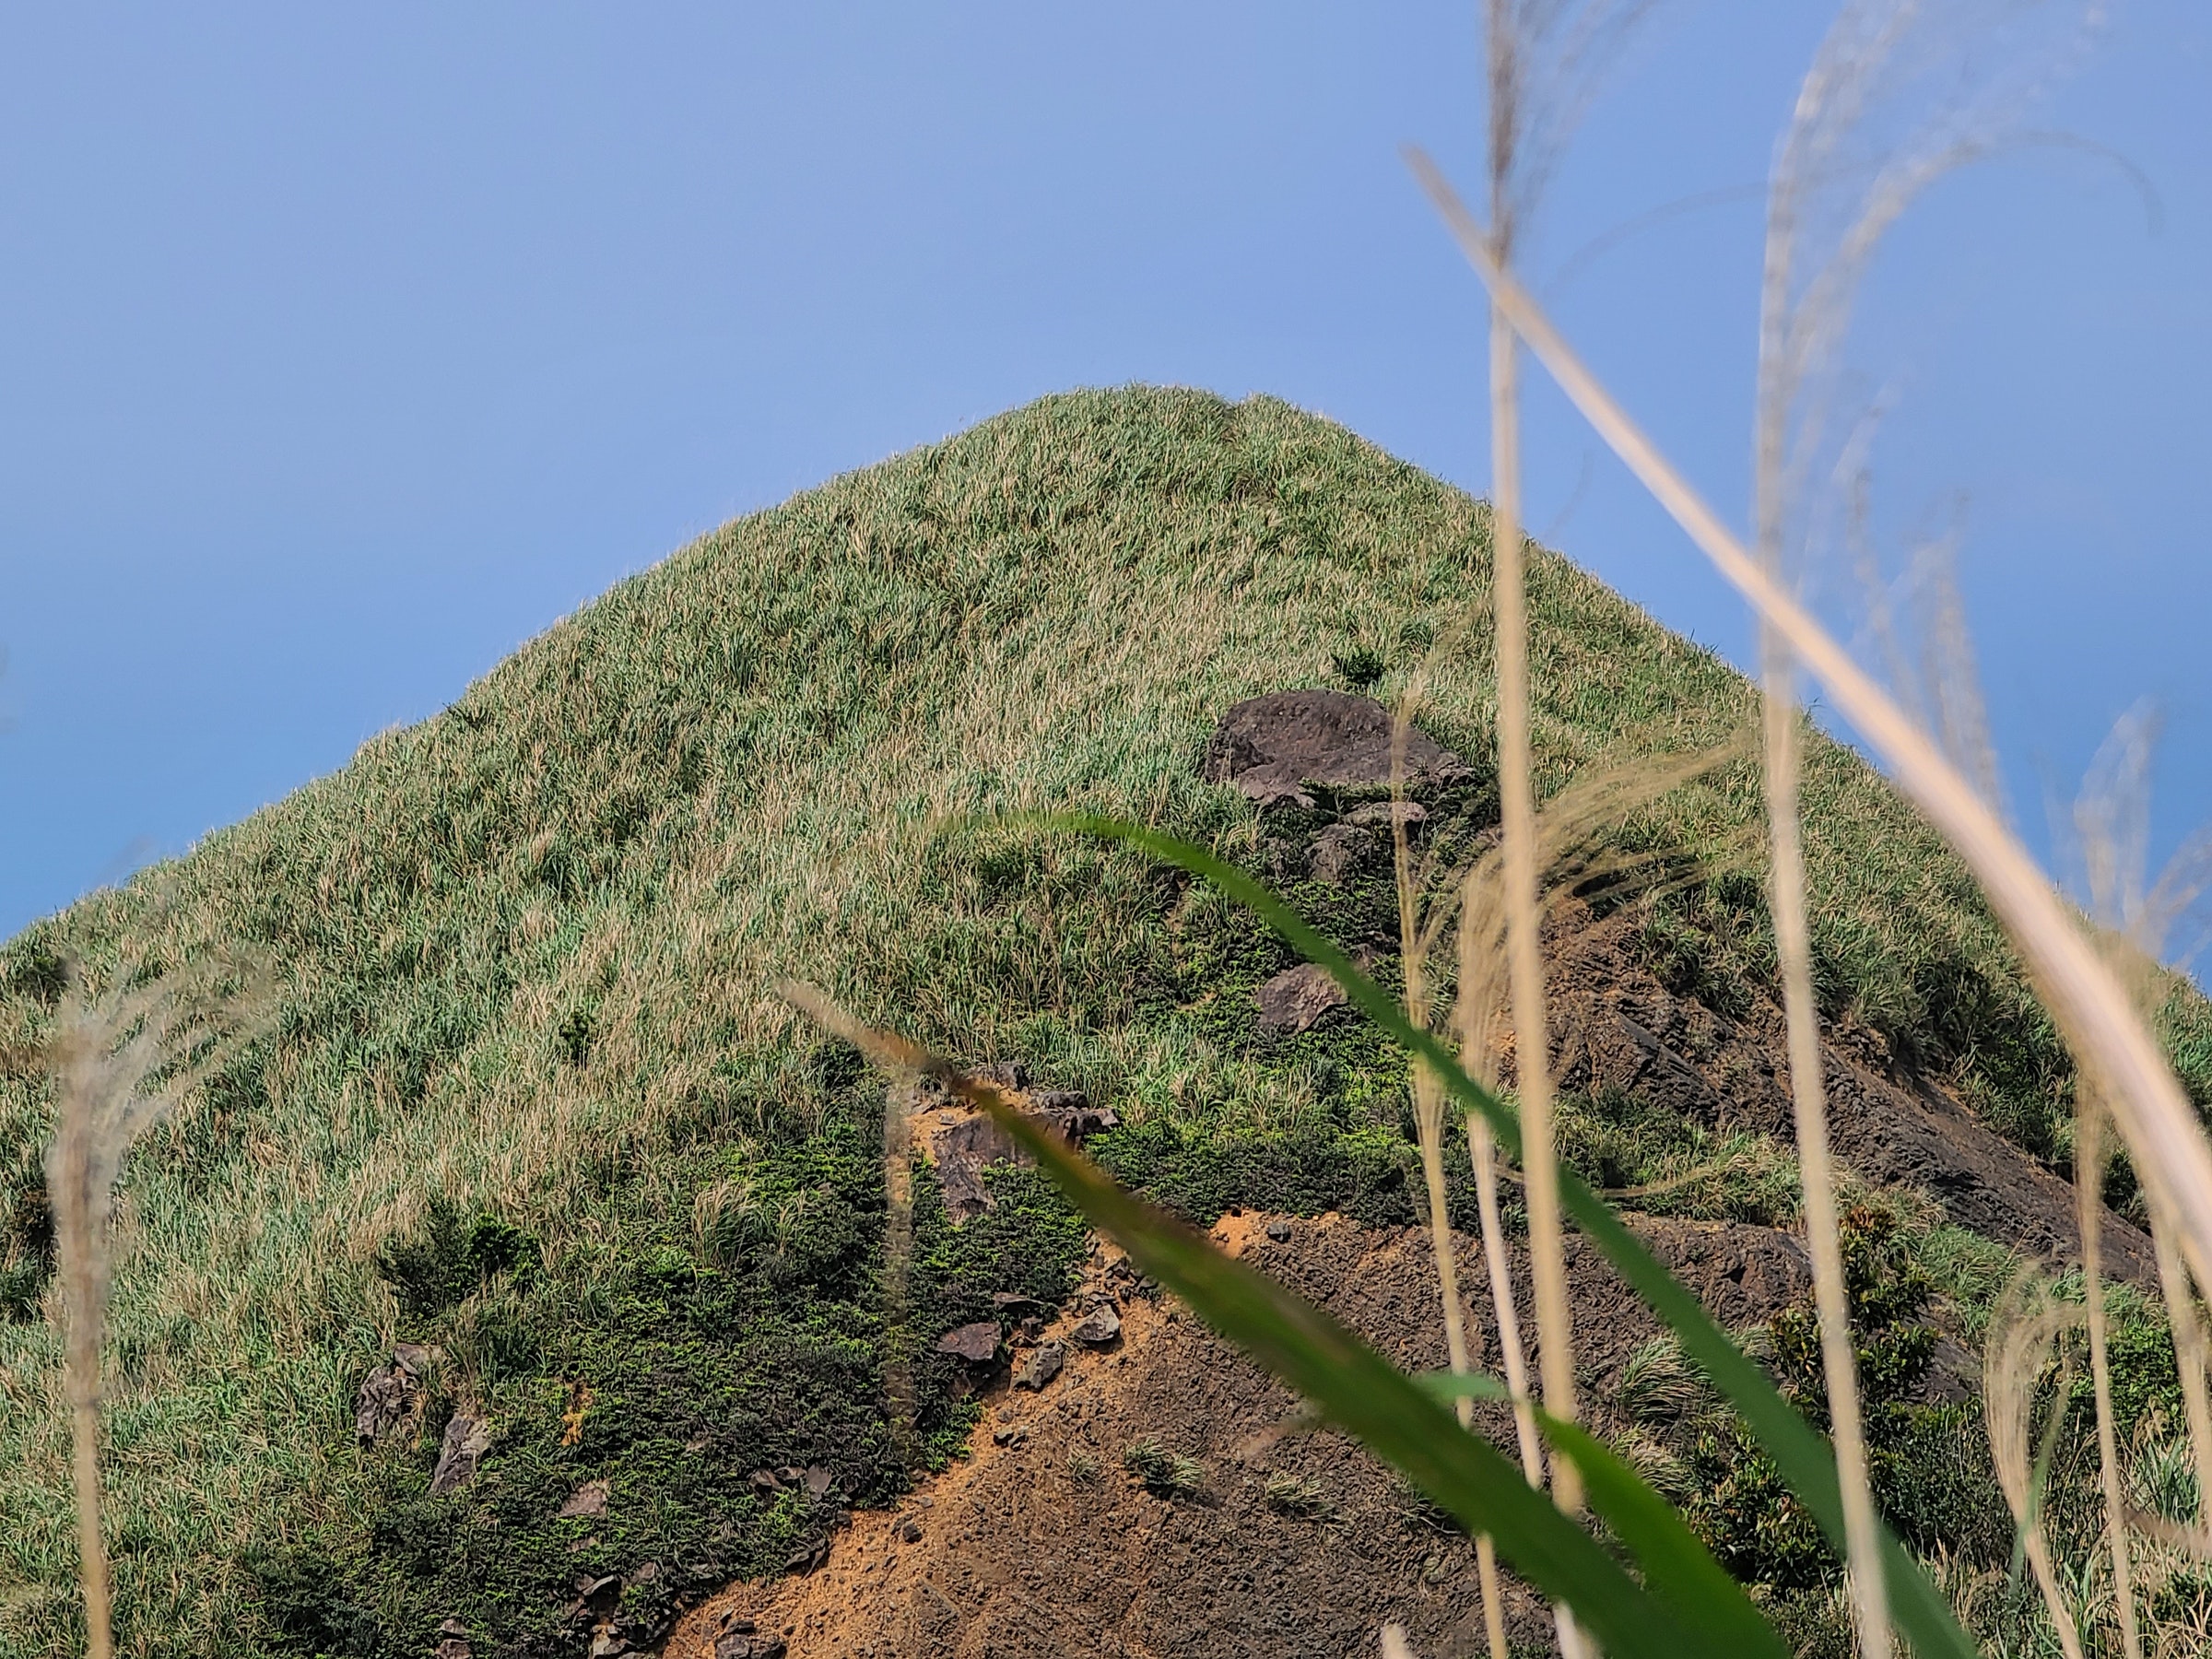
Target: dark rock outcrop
1274, 747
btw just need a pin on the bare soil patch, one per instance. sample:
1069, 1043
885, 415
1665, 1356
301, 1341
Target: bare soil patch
1266, 1541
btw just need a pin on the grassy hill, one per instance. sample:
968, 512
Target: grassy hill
530, 1096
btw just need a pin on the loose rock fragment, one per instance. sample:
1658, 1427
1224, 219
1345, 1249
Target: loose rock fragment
467, 1438
391, 1395
1339, 850
595, 1595
1101, 1327
977, 1343
1043, 1365
1070, 1112
590, 1498
1296, 999
1381, 815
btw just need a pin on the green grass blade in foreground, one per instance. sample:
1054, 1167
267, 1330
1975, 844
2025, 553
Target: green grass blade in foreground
1804, 1460
1677, 1565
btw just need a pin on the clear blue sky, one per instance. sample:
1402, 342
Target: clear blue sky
343, 349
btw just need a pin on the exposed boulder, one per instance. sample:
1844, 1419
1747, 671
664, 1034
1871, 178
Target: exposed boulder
963, 1151
977, 1343
467, 1438
1044, 1364
391, 1395
1101, 1327
1339, 852
1271, 749
1295, 999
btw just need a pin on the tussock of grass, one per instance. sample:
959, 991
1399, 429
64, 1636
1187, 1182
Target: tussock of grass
523, 950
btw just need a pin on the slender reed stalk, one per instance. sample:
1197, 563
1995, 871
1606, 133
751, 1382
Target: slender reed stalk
2111, 826
1482, 1147
1428, 1106
898, 1259
1524, 947
2181, 1316
1570, 853
2022, 1332
1493, 1596
1779, 384
121, 1064
1524, 944
1414, 940
79, 1220
2089, 1208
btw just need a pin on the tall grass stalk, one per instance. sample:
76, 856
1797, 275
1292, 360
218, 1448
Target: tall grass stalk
1524, 946
1569, 854
1513, 32
2111, 829
2024, 1330
898, 1258
1790, 331
1428, 1104
2086, 998
1428, 1125
2182, 1317
2089, 1208
1482, 1152
122, 1062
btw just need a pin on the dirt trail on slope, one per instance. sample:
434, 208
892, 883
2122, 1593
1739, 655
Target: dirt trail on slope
1289, 1546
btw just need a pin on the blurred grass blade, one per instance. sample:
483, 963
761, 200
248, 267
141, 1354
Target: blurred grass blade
1677, 1568
1804, 1460
1351, 1385
1677, 1565
1450, 1387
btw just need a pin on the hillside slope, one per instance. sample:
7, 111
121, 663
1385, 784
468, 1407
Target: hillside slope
532, 1101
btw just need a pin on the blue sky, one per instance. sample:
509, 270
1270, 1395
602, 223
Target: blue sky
342, 350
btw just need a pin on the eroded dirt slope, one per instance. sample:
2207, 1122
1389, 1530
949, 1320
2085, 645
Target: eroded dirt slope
1286, 1545
1619, 1028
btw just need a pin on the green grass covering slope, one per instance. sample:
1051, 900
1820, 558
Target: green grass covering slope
531, 1097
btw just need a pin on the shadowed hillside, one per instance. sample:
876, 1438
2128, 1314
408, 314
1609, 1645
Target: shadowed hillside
531, 1104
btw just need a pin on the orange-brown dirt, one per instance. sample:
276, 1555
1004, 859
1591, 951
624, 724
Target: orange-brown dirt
1041, 1542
